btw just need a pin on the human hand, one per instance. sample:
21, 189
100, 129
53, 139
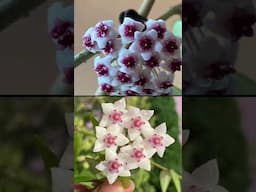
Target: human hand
115, 187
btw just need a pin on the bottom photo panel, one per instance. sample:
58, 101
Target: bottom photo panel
127, 144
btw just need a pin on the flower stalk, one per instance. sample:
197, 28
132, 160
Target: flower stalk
145, 7
159, 166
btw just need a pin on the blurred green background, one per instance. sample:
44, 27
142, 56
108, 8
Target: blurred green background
22, 169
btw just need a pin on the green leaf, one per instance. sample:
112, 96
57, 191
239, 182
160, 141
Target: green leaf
165, 179
78, 138
93, 120
176, 180
84, 176
49, 158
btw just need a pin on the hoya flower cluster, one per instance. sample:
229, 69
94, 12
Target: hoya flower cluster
138, 59
128, 139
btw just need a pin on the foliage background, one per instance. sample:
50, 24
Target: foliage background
216, 133
84, 139
21, 165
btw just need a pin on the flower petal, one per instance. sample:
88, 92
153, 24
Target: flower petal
107, 107
160, 151
168, 140
207, 174
125, 173
145, 164
133, 133
110, 154
101, 166
147, 114
112, 178
122, 140
161, 129
100, 132
120, 104
98, 146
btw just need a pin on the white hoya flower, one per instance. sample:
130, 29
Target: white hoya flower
88, 42
164, 82
103, 31
128, 60
137, 121
158, 25
204, 178
128, 28
113, 113
109, 138
113, 166
102, 66
145, 43
158, 139
136, 155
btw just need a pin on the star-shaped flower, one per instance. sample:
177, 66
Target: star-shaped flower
158, 139
113, 113
136, 155
158, 25
109, 138
137, 121
113, 167
128, 28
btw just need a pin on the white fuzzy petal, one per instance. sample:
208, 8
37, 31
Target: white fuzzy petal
160, 151
168, 140
147, 114
145, 164
146, 55
107, 108
150, 152
133, 133
120, 104
101, 166
122, 140
98, 146
112, 178
132, 165
104, 121
110, 154
161, 129
100, 132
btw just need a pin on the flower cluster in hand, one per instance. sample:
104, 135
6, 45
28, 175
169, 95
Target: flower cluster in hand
128, 139
61, 31
138, 59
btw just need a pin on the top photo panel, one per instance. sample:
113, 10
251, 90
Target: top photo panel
127, 48
219, 47
37, 47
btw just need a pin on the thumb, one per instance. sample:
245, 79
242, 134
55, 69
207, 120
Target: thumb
115, 187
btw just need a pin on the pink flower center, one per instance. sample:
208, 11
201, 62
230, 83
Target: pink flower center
138, 154
116, 116
160, 31
123, 77
101, 30
137, 123
107, 88
129, 62
175, 65
146, 43
110, 140
109, 48
87, 42
156, 140
129, 30
114, 166
171, 46
152, 62
102, 70
142, 80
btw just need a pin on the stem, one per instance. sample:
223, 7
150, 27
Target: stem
172, 11
159, 166
145, 7
82, 57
